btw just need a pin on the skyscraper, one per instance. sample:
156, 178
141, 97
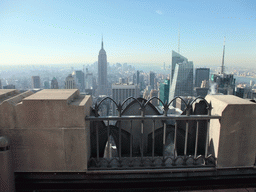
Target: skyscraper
46, 84
54, 83
201, 75
164, 91
35, 82
120, 92
154, 93
79, 79
152, 79
88, 80
102, 71
70, 82
182, 83
176, 58
138, 78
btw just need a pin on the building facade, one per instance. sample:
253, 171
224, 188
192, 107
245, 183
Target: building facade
120, 92
225, 83
176, 58
54, 83
164, 91
70, 82
36, 82
88, 80
152, 79
201, 75
79, 79
182, 84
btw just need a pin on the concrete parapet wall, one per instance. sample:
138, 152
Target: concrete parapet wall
8, 113
232, 139
48, 132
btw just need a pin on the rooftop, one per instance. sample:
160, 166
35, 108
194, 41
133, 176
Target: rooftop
53, 94
4, 91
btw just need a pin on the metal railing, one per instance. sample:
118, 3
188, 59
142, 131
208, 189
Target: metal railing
131, 160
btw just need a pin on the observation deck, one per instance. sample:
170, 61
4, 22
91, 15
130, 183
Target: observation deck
59, 141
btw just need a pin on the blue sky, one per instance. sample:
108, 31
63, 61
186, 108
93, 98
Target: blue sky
138, 32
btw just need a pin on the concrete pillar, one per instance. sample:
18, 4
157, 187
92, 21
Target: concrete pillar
6, 168
232, 139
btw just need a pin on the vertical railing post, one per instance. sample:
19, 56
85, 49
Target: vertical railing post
97, 135
196, 142
131, 144
142, 132
109, 155
109, 151
119, 109
164, 133
207, 132
186, 134
175, 145
97, 141
153, 143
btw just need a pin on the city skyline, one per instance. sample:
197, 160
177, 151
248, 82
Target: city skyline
135, 32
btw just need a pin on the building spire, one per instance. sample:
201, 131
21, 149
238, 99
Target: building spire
222, 66
102, 43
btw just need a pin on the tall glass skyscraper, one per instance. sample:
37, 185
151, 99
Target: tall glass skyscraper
182, 78
176, 58
201, 75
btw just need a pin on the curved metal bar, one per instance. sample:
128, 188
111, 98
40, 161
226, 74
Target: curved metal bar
129, 99
154, 98
106, 99
177, 98
208, 105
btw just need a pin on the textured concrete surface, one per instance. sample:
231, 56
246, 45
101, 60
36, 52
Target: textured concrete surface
47, 130
232, 139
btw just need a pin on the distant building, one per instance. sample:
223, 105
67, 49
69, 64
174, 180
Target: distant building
102, 72
152, 79
46, 85
54, 83
182, 82
225, 83
164, 91
10, 86
240, 92
181, 105
201, 92
0, 84
36, 82
70, 82
176, 58
205, 84
134, 81
138, 78
201, 75
88, 80
120, 92
252, 83
154, 93
146, 92
79, 79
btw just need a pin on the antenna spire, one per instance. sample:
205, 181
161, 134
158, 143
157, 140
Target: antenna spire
179, 40
102, 43
222, 66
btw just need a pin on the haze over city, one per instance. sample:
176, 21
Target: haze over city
134, 32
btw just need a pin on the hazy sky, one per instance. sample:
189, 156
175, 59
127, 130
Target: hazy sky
49, 32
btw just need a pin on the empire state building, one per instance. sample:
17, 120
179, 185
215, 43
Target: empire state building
102, 71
